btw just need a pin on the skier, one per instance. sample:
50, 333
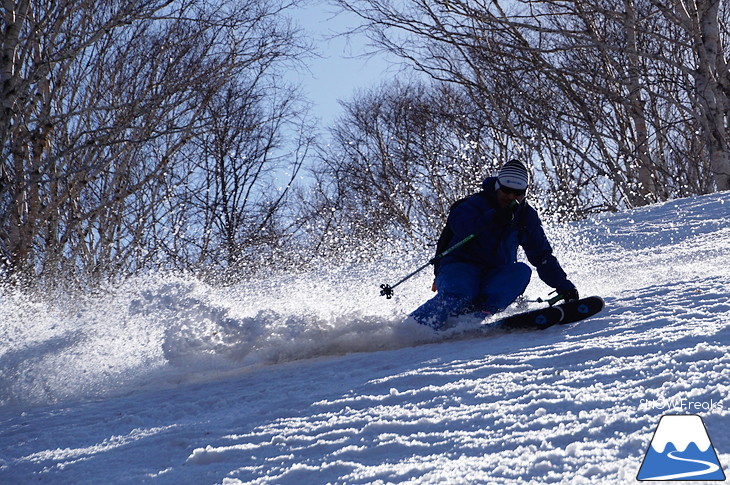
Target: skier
483, 275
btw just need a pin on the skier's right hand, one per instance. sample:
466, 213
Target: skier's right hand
505, 215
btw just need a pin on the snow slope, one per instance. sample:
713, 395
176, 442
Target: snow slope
306, 379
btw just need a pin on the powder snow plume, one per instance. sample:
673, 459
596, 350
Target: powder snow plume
164, 330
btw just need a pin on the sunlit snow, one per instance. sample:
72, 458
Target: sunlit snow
314, 378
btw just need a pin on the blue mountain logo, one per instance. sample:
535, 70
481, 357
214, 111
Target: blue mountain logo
681, 450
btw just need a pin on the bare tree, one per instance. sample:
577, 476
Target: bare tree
399, 156
100, 104
703, 25
603, 95
230, 205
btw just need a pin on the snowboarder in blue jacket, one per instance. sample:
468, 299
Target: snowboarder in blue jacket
484, 275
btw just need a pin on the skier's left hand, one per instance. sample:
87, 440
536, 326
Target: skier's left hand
570, 295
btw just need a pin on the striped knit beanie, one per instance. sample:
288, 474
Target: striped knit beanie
513, 175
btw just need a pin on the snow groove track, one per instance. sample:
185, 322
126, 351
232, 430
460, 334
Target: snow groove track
711, 468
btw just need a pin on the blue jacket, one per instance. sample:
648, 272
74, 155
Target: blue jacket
497, 245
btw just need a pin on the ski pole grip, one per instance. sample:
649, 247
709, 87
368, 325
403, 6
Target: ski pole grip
552, 301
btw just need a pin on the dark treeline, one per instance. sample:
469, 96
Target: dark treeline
142, 135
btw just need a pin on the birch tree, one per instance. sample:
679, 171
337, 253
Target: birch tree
702, 23
608, 97
100, 104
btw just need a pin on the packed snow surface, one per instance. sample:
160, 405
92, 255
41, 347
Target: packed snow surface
315, 378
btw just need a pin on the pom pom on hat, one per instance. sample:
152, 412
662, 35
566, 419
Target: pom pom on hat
514, 175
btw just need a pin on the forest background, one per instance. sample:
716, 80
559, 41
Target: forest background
163, 135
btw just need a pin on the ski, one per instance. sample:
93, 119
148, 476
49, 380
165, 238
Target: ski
564, 313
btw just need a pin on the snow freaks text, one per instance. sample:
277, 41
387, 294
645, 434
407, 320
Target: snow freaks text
682, 404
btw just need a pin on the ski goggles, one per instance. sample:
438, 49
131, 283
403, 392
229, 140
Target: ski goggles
511, 191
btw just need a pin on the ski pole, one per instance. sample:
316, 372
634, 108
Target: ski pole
552, 301
387, 290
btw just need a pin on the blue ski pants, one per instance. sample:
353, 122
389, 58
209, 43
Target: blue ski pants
465, 288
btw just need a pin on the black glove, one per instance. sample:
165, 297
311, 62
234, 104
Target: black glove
505, 215
570, 295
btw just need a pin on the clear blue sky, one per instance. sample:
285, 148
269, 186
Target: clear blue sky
339, 72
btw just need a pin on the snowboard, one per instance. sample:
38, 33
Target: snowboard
564, 313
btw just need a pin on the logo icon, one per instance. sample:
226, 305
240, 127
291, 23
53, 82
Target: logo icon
680, 450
